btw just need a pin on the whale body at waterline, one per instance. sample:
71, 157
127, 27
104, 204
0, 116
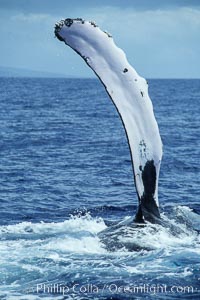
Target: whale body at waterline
129, 94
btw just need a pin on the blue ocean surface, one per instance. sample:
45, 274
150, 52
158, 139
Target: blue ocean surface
66, 175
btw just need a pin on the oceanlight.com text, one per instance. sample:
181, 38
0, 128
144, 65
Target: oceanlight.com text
112, 288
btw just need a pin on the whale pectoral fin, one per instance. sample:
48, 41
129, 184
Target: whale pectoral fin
150, 210
129, 94
139, 218
147, 211
148, 207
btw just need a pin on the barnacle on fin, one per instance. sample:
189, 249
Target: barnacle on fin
68, 22
59, 37
93, 23
108, 34
57, 29
86, 59
80, 19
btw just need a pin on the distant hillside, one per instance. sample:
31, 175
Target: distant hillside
18, 72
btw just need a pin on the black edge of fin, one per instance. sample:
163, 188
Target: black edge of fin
148, 209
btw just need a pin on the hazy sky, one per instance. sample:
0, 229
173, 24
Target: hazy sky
161, 38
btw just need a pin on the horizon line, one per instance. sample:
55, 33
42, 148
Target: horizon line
93, 78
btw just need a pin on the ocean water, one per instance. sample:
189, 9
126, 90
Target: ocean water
66, 175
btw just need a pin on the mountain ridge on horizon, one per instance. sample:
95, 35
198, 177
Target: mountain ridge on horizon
22, 72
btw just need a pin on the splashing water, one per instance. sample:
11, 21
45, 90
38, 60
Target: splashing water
71, 253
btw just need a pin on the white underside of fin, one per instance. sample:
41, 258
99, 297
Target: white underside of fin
128, 91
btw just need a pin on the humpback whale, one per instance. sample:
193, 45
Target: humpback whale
129, 94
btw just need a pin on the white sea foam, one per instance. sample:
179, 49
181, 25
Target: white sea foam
157, 237
80, 235
73, 247
74, 224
